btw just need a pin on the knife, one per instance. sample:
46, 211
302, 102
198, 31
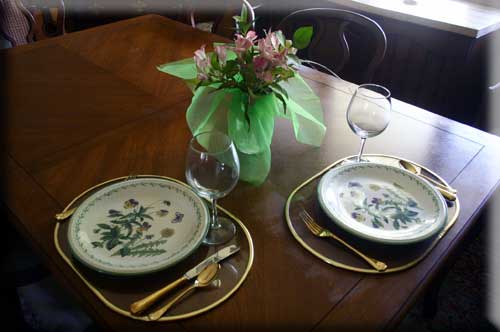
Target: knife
146, 302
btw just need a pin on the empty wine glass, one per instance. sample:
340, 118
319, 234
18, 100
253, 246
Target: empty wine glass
212, 170
369, 112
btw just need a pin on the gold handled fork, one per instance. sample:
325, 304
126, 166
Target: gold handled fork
319, 231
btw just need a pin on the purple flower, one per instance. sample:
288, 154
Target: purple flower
178, 217
354, 184
144, 227
376, 200
357, 216
131, 203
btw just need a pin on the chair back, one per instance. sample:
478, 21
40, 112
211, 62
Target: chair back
50, 17
350, 44
222, 23
16, 22
21, 24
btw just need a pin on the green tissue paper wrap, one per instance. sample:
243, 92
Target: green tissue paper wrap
224, 110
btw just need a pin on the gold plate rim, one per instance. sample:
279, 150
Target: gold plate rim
452, 220
122, 312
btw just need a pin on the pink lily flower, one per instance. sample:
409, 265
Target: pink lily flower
221, 52
260, 63
201, 59
243, 43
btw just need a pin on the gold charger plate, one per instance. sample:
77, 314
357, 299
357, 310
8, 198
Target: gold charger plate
117, 293
397, 257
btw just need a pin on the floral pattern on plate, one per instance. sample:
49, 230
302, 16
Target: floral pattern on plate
138, 226
384, 206
382, 203
125, 233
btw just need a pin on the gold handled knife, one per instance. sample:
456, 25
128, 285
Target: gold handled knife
146, 302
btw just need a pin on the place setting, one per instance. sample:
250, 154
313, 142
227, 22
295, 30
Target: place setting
154, 248
371, 213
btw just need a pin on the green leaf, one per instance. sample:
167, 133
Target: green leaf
113, 243
149, 245
214, 61
148, 217
124, 251
104, 226
244, 27
395, 223
279, 89
244, 13
411, 213
302, 37
282, 99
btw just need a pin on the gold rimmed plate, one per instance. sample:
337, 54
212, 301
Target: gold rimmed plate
382, 203
397, 258
137, 227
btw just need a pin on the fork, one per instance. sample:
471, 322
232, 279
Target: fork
319, 231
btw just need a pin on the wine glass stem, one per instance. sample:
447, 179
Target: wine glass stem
363, 141
215, 223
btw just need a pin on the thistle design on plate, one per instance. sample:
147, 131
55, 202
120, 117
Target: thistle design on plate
386, 207
125, 232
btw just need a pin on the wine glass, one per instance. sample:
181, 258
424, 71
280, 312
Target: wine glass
212, 170
369, 112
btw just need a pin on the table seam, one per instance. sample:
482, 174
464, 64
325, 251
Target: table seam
362, 277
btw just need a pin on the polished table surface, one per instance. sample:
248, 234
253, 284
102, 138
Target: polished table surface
90, 106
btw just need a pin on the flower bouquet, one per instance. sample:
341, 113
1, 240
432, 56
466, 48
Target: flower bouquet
241, 87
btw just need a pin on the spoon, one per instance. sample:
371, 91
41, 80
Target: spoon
204, 279
449, 194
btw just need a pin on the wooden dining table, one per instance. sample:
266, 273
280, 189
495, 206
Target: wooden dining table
91, 105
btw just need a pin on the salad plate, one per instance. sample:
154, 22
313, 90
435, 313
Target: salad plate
138, 226
382, 203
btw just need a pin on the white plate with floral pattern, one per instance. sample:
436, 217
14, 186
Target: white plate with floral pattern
382, 203
138, 226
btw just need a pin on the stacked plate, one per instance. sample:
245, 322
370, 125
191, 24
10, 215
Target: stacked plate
382, 203
138, 226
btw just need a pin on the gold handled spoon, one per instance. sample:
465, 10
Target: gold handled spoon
449, 194
204, 279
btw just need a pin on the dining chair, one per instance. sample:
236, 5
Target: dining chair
50, 18
348, 43
222, 23
22, 23
16, 22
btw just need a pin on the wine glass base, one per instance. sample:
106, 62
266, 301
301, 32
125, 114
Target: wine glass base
221, 234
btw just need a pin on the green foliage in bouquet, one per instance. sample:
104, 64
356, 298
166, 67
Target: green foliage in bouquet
240, 88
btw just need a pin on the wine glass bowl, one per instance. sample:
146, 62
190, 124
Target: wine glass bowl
369, 112
212, 170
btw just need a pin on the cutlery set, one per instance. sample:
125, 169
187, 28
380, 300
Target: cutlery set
449, 194
205, 271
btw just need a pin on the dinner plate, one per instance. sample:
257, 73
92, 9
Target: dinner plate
382, 203
138, 226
